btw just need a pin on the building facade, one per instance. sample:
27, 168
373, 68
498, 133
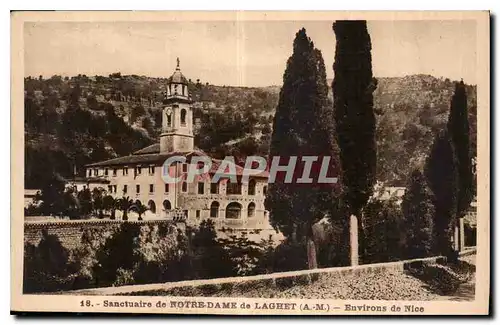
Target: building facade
139, 175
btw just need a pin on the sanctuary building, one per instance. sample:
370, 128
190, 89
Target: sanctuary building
139, 175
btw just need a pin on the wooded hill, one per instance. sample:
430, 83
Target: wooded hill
70, 122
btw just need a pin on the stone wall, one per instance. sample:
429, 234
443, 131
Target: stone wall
268, 279
70, 232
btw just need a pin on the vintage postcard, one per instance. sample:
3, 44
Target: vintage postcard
251, 163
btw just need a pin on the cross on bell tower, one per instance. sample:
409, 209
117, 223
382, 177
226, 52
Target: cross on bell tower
177, 118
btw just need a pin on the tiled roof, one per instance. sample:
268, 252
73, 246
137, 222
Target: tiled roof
239, 170
151, 155
154, 148
133, 160
137, 159
86, 180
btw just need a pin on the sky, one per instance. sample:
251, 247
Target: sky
240, 53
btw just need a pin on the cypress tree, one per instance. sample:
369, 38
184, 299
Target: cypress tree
353, 88
303, 125
418, 212
458, 127
442, 178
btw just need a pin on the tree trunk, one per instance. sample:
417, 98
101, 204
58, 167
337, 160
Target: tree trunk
125, 215
462, 234
353, 240
112, 214
311, 253
456, 239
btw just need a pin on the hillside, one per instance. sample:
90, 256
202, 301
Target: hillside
70, 122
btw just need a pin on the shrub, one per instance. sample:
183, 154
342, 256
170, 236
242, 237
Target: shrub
437, 277
288, 256
383, 240
46, 266
119, 251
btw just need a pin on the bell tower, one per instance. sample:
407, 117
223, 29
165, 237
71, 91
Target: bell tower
177, 116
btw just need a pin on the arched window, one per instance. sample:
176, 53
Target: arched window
152, 206
251, 187
233, 211
166, 205
251, 210
183, 117
214, 209
264, 190
169, 120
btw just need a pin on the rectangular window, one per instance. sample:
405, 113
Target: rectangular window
201, 188
138, 170
151, 188
214, 188
90, 172
184, 187
151, 170
166, 188
96, 172
233, 188
198, 214
125, 171
138, 189
110, 188
106, 172
114, 172
186, 213
184, 168
124, 189
114, 188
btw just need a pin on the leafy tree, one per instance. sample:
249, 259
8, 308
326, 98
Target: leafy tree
109, 204
92, 102
353, 88
442, 178
51, 196
85, 198
458, 127
208, 257
118, 252
382, 231
159, 255
418, 211
124, 204
45, 265
98, 200
303, 125
70, 204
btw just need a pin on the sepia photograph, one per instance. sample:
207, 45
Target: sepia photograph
286, 163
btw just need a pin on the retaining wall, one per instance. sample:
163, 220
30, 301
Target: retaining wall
70, 232
280, 279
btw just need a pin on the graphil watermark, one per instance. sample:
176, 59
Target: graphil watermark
277, 169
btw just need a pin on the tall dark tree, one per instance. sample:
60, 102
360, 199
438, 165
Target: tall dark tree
418, 212
303, 125
353, 88
442, 178
51, 196
458, 127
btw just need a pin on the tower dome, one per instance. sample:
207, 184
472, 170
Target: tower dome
177, 76
177, 85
